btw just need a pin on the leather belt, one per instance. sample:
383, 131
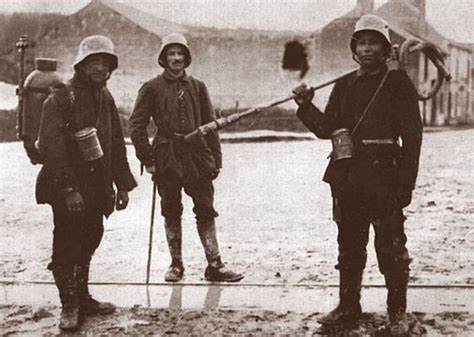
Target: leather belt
379, 141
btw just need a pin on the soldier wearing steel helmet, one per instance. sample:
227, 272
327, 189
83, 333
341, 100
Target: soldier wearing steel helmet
178, 104
78, 184
376, 183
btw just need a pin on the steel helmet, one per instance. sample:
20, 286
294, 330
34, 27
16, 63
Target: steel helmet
173, 38
373, 23
97, 44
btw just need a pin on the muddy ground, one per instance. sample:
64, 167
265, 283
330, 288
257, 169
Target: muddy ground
25, 320
274, 225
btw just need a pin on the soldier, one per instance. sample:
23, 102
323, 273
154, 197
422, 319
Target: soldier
76, 182
178, 104
377, 182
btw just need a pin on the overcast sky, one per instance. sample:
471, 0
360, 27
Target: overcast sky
453, 18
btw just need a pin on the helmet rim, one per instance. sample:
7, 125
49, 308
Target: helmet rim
168, 41
95, 45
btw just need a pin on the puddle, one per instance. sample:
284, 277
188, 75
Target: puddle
300, 299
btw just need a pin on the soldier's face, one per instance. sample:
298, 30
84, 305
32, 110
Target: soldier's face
370, 49
175, 58
97, 68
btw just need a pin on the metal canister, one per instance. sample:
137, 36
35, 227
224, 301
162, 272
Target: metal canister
342, 146
89, 144
36, 89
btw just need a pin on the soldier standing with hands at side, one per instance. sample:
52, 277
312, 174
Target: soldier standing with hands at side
179, 104
78, 182
377, 182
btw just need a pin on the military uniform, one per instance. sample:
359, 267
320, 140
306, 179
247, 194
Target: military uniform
376, 183
179, 165
68, 175
178, 104
65, 170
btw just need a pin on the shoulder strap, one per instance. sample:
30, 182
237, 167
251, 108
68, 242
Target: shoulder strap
72, 101
372, 100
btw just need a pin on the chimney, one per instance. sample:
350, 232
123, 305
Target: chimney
365, 6
421, 6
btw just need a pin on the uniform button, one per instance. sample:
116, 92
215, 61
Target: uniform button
92, 169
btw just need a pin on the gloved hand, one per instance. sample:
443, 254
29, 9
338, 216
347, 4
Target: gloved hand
74, 202
304, 95
122, 200
404, 197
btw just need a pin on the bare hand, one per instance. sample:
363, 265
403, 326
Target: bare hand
304, 95
122, 200
150, 169
74, 202
215, 174
404, 197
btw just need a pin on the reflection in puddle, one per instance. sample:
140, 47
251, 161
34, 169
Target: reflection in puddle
211, 301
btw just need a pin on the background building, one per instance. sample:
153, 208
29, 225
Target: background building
244, 65
454, 103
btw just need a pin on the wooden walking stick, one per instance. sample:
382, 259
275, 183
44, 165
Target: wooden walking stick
150, 242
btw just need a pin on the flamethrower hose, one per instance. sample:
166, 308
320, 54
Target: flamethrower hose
406, 48
433, 54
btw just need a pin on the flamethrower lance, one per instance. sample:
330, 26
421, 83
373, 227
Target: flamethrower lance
21, 45
223, 122
400, 61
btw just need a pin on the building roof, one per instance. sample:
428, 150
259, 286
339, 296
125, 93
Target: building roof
404, 14
149, 22
406, 20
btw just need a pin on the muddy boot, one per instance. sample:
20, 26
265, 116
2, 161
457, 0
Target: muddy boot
174, 238
215, 271
348, 310
65, 279
397, 303
89, 305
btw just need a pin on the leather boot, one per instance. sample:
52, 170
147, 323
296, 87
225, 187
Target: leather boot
397, 284
215, 271
65, 279
348, 310
174, 238
89, 305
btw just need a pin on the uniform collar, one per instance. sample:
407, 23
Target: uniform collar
360, 73
172, 77
365, 72
81, 81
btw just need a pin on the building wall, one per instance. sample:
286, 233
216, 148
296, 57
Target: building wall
335, 51
237, 65
453, 102
459, 63
136, 48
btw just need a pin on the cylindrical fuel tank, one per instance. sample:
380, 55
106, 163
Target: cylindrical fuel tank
342, 146
36, 89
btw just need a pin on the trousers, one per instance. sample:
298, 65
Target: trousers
353, 217
201, 191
